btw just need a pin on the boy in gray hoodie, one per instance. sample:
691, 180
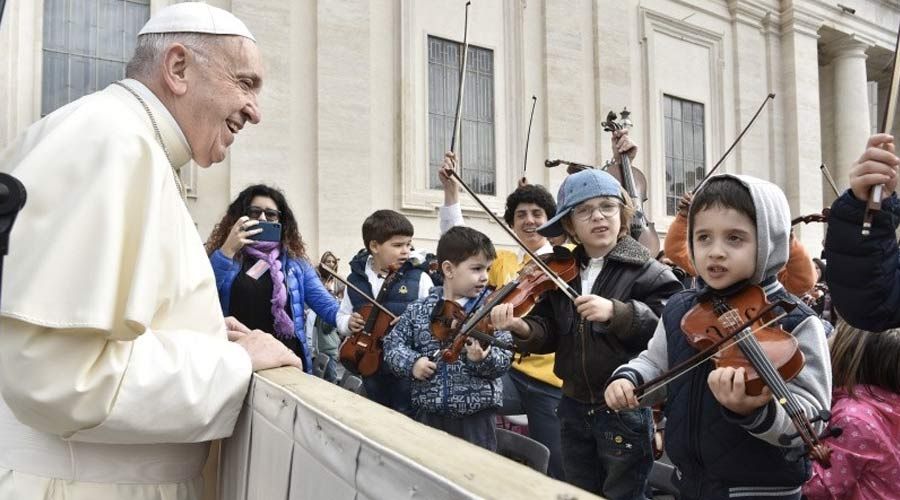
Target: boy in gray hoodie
724, 442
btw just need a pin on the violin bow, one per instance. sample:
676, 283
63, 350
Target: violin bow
357, 290
874, 203
557, 280
528, 136
828, 178
457, 125
703, 356
735, 143
573, 166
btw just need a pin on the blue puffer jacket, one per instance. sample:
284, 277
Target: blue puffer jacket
456, 389
303, 286
863, 272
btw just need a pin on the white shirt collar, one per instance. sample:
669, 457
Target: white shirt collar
547, 248
172, 135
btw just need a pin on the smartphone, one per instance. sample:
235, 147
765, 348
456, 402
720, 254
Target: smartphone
271, 231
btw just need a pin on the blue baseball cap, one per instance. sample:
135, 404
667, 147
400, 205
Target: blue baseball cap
577, 188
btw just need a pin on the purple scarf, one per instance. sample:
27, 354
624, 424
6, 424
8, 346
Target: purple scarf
269, 252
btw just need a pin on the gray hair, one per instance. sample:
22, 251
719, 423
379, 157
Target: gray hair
151, 47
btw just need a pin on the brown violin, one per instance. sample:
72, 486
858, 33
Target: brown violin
766, 346
735, 332
450, 323
522, 293
769, 355
363, 351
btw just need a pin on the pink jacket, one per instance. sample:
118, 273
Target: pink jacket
865, 463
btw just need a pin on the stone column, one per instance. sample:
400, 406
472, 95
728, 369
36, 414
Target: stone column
568, 100
21, 41
801, 129
750, 87
851, 103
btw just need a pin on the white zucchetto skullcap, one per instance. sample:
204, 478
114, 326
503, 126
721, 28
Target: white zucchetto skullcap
196, 17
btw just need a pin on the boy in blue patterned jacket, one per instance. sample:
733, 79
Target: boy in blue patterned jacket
462, 397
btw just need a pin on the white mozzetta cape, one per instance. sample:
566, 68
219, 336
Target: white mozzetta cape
110, 326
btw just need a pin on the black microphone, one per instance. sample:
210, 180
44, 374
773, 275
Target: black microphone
552, 163
12, 199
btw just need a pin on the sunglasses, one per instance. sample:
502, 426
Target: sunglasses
271, 214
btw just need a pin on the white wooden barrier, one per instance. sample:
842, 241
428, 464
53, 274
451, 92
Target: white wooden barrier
299, 437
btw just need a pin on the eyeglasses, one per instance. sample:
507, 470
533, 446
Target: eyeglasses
607, 209
272, 215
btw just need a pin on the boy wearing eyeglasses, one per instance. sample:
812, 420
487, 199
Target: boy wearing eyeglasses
623, 291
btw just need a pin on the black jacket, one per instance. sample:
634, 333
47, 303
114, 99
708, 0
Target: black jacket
863, 272
587, 352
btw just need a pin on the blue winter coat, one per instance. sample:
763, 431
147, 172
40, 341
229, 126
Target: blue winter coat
303, 287
863, 272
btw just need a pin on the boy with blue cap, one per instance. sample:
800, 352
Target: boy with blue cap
623, 292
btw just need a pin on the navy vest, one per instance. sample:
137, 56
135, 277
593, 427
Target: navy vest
403, 291
700, 441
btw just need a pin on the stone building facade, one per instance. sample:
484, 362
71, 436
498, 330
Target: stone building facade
355, 94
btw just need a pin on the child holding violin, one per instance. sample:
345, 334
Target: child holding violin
530, 386
724, 442
387, 236
866, 407
623, 290
460, 397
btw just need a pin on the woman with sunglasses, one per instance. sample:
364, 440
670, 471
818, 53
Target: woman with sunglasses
265, 285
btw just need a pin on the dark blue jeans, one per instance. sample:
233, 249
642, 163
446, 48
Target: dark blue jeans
537, 400
389, 390
331, 373
605, 452
479, 428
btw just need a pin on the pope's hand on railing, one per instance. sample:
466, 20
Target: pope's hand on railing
266, 351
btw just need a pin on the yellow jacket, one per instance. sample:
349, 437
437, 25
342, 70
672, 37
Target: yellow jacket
539, 366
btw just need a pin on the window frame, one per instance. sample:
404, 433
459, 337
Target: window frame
469, 174
683, 159
94, 56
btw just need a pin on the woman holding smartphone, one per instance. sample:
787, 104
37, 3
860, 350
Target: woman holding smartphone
263, 275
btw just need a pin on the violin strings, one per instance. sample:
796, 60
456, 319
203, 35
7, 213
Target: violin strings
776, 382
751, 348
773, 379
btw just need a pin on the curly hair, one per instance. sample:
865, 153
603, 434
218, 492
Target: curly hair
529, 193
290, 233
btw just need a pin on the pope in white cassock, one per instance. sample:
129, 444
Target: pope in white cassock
116, 367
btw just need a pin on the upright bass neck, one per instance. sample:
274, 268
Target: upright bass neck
628, 181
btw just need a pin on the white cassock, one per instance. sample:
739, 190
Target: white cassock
115, 367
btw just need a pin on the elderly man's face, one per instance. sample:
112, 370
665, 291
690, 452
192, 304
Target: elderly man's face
223, 99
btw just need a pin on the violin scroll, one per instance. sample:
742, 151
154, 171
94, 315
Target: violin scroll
806, 219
